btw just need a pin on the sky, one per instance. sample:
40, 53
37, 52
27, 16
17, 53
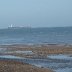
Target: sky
35, 13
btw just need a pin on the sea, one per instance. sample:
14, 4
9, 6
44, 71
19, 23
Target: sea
44, 35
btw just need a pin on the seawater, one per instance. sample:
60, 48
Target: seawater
53, 35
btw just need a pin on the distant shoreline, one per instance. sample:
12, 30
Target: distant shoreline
40, 27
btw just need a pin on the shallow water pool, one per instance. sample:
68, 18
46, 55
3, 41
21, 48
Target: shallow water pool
9, 57
60, 56
64, 70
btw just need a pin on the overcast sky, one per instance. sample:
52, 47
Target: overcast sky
35, 13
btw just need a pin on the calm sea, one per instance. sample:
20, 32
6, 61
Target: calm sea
57, 35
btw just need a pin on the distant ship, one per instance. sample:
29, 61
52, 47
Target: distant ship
18, 27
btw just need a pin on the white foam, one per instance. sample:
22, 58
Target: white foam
25, 52
2, 50
9, 56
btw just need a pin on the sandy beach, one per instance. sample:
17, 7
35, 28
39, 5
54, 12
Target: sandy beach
13, 66
31, 52
36, 50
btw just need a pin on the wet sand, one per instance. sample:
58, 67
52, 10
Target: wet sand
13, 66
37, 52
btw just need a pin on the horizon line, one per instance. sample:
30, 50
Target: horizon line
40, 27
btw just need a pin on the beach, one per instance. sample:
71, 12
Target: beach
41, 57
35, 35
13, 66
